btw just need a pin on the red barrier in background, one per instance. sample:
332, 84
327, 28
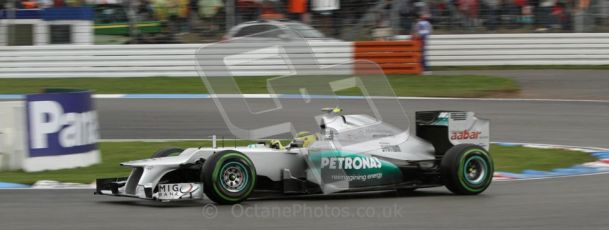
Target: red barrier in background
394, 57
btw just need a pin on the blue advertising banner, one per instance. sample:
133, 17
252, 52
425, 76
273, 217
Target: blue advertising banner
50, 14
61, 124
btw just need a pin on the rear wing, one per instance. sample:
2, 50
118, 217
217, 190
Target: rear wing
445, 129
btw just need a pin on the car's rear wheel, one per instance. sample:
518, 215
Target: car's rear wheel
228, 177
167, 152
467, 169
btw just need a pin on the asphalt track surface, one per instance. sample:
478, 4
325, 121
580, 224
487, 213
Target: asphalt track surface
559, 203
577, 123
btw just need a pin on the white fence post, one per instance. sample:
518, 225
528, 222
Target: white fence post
12, 137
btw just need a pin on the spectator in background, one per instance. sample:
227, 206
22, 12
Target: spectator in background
452, 14
29, 4
437, 10
545, 14
492, 7
159, 7
208, 13
407, 14
422, 30
59, 3
421, 8
74, 3
297, 9
177, 14
247, 10
193, 16
145, 10
383, 29
209, 8
183, 13
45, 3
270, 10
469, 10
560, 17
520, 4
527, 15
172, 15
536, 14
523, 11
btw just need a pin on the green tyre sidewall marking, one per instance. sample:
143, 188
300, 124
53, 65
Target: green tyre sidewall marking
483, 164
216, 171
489, 169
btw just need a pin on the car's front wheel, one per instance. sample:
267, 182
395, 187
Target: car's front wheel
467, 169
228, 177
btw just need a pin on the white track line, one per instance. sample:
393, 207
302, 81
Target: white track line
552, 177
266, 96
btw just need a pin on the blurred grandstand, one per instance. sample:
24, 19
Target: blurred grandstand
197, 21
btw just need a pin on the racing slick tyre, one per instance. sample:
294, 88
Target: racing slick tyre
466, 169
166, 152
228, 177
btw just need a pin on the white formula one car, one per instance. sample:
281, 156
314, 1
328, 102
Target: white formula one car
351, 153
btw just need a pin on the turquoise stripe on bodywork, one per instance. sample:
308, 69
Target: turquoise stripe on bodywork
389, 173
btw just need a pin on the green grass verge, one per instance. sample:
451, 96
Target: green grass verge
518, 158
403, 85
113, 153
508, 159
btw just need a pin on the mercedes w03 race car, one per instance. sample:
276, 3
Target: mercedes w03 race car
351, 153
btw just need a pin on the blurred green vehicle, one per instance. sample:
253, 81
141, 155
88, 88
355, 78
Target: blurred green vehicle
111, 19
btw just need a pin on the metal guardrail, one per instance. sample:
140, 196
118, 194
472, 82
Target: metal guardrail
519, 49
179, 59
161, 60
